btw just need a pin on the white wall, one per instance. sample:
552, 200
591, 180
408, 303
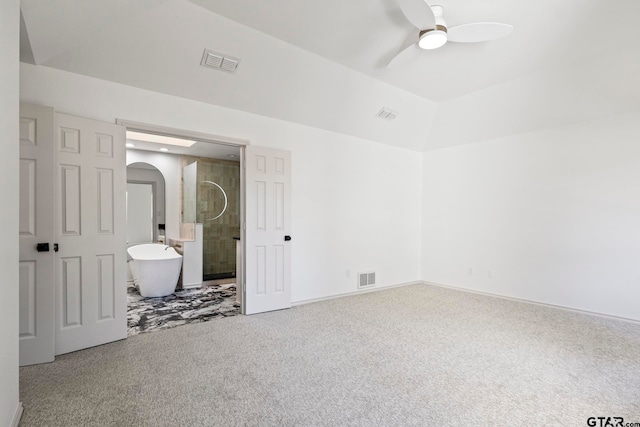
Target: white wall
140, 207
554, 214
9, 40
355, 203
154, 176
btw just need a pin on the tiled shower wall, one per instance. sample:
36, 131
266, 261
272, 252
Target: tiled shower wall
219, 247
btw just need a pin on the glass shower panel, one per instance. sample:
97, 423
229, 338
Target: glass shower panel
216, 204
189, 192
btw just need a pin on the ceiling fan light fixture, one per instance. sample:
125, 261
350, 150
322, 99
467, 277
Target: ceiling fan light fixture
434, 32
433, 39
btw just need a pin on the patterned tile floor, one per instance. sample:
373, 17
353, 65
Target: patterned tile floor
188, 306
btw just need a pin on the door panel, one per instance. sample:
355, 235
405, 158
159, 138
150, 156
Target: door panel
36, 277
105, 200
91, 294
70, 199
106, 287
268, 220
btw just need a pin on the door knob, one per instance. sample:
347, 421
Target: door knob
287, 238
55, 247
42, 247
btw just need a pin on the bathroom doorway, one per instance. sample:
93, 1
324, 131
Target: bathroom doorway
206, 237
263, 248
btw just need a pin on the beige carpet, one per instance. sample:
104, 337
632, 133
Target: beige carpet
410, 356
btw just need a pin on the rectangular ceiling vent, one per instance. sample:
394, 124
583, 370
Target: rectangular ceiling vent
366, 279
387, 114
218, 61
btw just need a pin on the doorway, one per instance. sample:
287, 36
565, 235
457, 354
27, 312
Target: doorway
201, 222
264, 249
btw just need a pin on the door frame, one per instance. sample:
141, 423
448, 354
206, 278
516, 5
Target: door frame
212, 139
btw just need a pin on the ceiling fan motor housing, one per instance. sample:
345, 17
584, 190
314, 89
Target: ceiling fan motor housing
433, 38
438, 27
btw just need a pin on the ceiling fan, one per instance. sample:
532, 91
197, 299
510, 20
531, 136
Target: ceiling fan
434, 32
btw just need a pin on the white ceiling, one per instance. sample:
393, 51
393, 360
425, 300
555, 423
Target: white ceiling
323, 63
366, 34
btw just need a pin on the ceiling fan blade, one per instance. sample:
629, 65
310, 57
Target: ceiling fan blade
419, 13
478, 32
405, 57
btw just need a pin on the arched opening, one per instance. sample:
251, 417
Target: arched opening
145, 204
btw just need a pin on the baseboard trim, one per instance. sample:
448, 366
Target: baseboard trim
543, 304
472, 291
17, 415
358, 292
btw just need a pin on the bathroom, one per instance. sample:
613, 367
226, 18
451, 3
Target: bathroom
187, 198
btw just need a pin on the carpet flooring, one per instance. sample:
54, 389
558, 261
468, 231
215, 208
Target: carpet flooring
410, 356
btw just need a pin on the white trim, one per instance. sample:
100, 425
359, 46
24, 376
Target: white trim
181, 133
471, 291
17, 415
544, 304
361, 291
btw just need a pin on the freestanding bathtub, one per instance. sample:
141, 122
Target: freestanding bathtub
155, 269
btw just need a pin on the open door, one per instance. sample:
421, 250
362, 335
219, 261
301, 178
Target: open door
91, 176
36, 283
267, 262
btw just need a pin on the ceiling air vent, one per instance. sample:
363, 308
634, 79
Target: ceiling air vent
218, 61
387, 114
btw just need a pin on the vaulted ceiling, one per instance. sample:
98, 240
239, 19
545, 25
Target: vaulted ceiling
323, 64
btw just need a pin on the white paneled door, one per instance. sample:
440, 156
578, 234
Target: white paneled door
91, 297
36, 181
268, 226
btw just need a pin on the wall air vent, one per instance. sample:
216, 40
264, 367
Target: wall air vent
218, 61
366, 280
387, 114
